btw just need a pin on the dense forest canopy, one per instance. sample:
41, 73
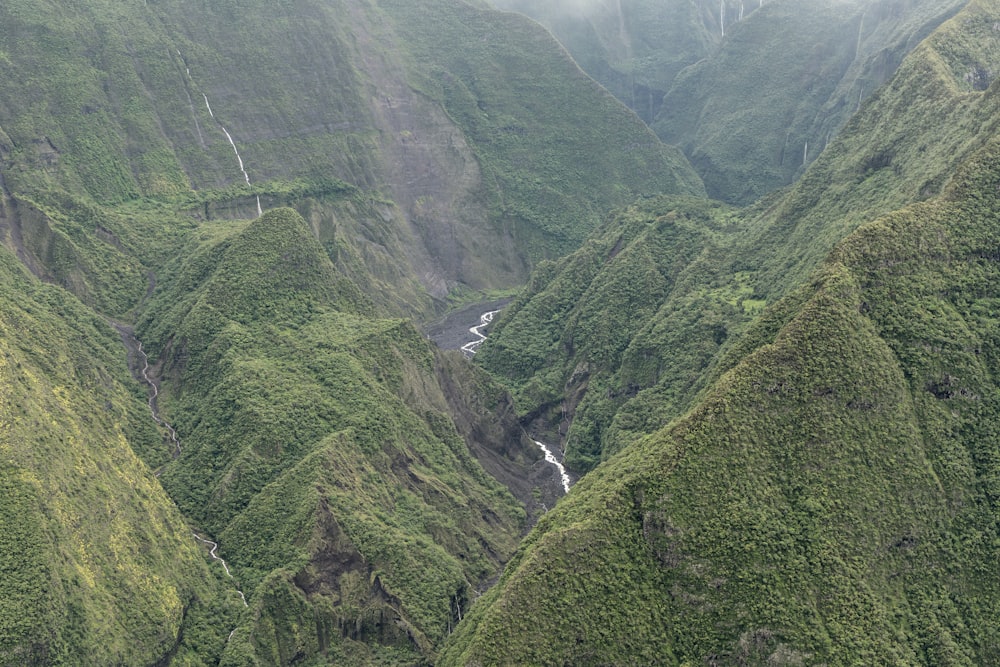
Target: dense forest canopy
741, 266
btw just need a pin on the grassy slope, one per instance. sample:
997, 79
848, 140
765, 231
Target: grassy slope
832, 499
900, 148
317, 445
98, 567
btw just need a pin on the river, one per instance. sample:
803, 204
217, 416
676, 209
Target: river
448, 334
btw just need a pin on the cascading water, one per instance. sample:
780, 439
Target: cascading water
154, 410
239, 158
153, 396
470, 349
551, 458
215, 547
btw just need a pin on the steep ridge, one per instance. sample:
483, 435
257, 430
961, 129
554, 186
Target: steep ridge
320, 449
97, 564
707, 280
830, 499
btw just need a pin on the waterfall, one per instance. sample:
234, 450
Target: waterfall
861, 26
551, 458
805, 154
722, 17
232, 143
239, 158
215, 547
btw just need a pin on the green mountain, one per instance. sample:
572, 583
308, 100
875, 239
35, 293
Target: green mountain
317, 444
339, 460
831, 499
799, 445
464, 163
751, 91
217, 218
614, 340
97, 566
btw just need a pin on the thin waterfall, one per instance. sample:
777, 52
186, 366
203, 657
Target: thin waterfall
239, 158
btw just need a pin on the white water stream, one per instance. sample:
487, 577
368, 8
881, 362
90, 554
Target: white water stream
154, 410
484, 321
551, 458
152, 398
239, 158
215, 546
470, 349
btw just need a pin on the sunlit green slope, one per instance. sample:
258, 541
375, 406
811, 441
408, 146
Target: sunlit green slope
832, 497
97, 566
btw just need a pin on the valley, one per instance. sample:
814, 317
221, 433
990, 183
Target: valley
406, 333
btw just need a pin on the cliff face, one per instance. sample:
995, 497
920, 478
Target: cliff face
466, 170
751, 91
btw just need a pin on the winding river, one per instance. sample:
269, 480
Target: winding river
470, 350
154, 395
485, 319
215, 546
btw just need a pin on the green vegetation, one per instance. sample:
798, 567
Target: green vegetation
786, 412
902, 147
318, 446
831, 498
97, 565
468, 166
